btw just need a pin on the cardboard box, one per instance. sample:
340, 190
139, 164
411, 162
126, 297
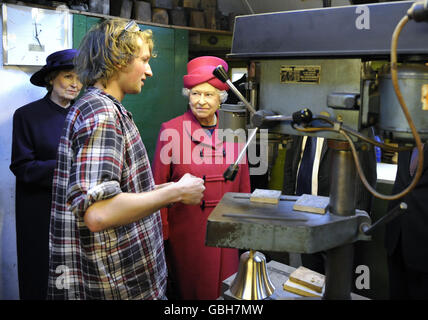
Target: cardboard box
121, 8
178, 17
164, 4
209, 4
197, 19
210, 19
142, 11
160, 16
194, 4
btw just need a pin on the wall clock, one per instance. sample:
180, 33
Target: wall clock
31, 34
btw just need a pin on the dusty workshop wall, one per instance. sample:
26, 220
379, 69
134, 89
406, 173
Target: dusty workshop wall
240, 6
15, 91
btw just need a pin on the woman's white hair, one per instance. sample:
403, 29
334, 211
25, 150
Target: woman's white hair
222, 93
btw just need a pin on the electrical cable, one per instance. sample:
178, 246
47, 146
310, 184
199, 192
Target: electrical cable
353, 132
403, 105
343, 130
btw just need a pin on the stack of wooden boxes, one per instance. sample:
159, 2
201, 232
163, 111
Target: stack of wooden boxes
192, 13
160, 11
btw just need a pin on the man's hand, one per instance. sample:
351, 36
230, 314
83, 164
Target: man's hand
191, 188
125, 208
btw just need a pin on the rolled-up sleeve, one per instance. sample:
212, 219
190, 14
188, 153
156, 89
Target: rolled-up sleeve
98, 155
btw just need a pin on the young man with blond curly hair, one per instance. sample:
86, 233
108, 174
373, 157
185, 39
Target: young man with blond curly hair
106, 233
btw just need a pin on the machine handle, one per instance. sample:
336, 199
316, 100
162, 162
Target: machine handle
395, 212
263, 116
231, 172
220, 73
302, 116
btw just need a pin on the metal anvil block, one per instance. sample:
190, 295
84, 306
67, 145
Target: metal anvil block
238, 223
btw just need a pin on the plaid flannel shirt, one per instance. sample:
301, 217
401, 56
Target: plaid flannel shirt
100, 155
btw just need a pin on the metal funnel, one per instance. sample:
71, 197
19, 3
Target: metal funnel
252, 281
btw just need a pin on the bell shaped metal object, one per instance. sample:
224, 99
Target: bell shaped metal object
252, 280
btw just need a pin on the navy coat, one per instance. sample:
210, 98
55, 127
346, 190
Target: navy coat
37, 128
412, 226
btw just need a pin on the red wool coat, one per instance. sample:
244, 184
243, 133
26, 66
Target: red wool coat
199, 270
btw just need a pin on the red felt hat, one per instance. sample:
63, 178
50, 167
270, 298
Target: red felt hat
200, 70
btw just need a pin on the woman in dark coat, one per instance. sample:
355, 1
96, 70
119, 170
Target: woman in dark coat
197, 148
37, 128
406, 236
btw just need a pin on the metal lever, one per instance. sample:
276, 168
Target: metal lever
304, 115
232, 170
261, 117
395, 212
221, 74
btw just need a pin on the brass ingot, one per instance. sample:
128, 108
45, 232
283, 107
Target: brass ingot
252, 281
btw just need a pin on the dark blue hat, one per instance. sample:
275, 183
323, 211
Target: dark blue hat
56, 61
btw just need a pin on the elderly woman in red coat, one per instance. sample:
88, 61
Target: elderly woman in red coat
193, 143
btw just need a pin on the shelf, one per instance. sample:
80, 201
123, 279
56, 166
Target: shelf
148, 23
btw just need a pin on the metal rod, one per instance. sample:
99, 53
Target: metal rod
340, 260
249, 7
278, 117
244, 150
240, 96
395, 212
232, 170
338, 273
342, 173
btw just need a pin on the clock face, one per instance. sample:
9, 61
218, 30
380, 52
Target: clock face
31, 34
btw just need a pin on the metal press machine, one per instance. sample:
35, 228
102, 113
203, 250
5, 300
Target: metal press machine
332, 73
